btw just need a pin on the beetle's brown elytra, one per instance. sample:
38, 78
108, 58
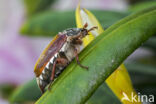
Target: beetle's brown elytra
58, 54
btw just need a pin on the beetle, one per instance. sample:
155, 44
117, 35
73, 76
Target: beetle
58, 54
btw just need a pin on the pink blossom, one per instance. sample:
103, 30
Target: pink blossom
91, 4
17, 56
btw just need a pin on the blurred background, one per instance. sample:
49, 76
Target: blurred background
27, 26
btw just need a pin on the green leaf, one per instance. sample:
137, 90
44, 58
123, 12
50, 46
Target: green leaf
6, 90
51, 22
103, 95
35, 6
26, 92
75, 85
143, 5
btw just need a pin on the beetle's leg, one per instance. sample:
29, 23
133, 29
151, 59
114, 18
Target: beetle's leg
77, 60
53, 70
92, 28
59, 61
77, 41
52, 74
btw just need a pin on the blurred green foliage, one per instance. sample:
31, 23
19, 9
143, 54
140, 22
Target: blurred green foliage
36, 6
142, 5
52, 22
103, 95
27, 92
6, 90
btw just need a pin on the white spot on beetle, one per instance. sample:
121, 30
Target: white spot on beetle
70, 53
64, 47
52, 60
56, 55
41, 77
44, 71
47, 66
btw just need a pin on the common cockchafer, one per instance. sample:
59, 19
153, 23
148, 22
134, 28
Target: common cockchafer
58, 54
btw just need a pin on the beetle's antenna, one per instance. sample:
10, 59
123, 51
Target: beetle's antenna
92, 28
86, 25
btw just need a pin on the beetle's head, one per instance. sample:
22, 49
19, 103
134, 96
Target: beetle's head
84, 31
78, 32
